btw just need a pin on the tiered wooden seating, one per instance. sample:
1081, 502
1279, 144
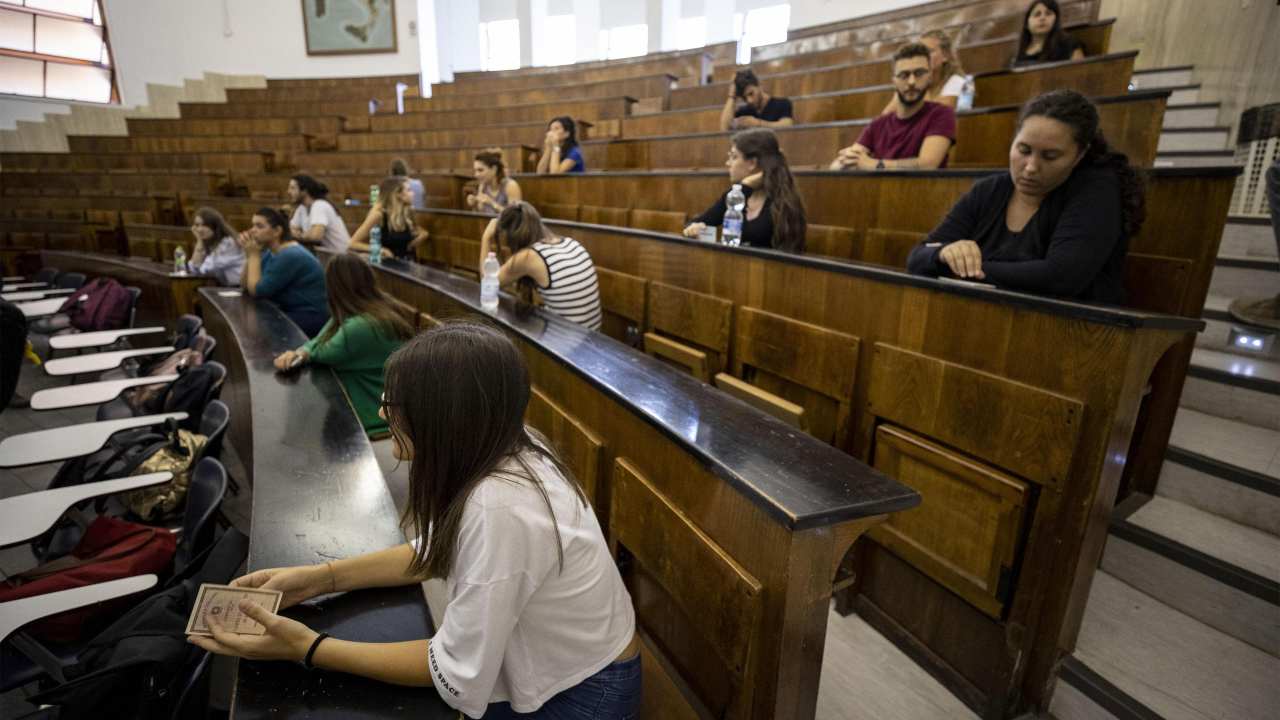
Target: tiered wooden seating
1099, 75
273, 109
89, 183
443, 190
494, 112
486, 136
211, 162
975, 19
1131, 122
519, 158
652, 86
988, 55
245, 126
156, 242
107, 210
164, 296
44, 233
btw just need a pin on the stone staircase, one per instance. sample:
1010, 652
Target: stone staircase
1183, 619
50, 135
1192, 134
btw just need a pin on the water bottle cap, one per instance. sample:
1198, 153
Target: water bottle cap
737, 186
492, 255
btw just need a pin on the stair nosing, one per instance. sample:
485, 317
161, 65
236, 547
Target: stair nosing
1202, 128
1171, 88
1102, 691
1193, 153
1171, 68
1247, 219
1229, 574
1248, 262
1191, 106
1224, 470
1248, 382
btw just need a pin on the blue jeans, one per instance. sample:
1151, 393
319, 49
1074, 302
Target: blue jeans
611, 694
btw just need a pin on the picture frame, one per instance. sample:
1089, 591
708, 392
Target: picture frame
349, 27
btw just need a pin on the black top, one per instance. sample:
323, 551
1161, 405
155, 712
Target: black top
757, 232
396, 242
774, 110
1063, 52
1073, 247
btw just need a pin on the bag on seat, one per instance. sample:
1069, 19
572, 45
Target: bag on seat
100, 304
142, 399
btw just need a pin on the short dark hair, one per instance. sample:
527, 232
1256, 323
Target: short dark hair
399, 167
311, 186
276, 219
744, 79
911, 50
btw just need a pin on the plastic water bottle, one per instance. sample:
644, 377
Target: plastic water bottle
375, 245
373, 195
489, 284
735, 203
966, 94
180, 260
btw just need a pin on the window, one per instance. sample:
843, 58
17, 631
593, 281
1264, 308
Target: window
500, 45
56, 49
691, 32
624, 42
762, 26
559, 42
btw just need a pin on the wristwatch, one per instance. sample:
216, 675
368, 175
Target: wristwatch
880, 164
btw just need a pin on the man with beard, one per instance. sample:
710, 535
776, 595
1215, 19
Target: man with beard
917, 135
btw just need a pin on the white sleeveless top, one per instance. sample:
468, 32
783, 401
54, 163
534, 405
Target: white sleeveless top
572, 291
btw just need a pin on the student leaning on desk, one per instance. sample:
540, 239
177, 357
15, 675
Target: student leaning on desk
538, 619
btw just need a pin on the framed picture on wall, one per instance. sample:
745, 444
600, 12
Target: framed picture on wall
349, 27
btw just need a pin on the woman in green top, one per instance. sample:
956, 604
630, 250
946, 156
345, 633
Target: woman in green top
365, 326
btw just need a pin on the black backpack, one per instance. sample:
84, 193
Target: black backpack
189, 393
141, 666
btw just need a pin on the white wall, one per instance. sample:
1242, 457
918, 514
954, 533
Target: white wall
816, 12
166, 41
13, 109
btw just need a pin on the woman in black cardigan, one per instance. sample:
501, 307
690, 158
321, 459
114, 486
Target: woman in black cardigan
1058, 223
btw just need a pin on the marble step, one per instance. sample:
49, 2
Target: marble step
1234, 386
1194, 158
1153, 78
1209, 137
1181, 94
1219, 572
1220, 330
1242, 276
1137, 657
1191, 115
1249, 238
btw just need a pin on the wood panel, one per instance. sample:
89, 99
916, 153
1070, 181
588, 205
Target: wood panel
966, 532
527, 133
623, 299
697, 321
658, 220
580, 448
520, 158
652, 86
597, 109
253, 126
980, 413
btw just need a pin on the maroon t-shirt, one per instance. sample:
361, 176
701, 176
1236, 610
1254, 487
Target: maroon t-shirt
890, 138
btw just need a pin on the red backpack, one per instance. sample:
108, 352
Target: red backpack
110, 549
100, 304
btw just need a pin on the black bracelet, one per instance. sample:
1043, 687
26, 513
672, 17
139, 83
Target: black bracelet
306, 662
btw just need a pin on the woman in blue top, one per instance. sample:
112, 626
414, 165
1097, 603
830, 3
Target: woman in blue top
560, 152
280, 270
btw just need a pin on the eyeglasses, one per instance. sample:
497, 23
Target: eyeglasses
384, 403
919, 74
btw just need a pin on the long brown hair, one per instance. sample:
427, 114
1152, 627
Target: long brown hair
353, 290
397, 214
786, 205
455, 399
950, 66
493, 157
1056, 38
520, 226
213, 220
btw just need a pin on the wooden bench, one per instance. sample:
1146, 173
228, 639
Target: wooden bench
692, 138
594, 109
157, 242
274, 109
246, 162
442, 189
487, 136
728, 541
519, 158
164, 296
652, 86
244, 126
311, 460
136, 184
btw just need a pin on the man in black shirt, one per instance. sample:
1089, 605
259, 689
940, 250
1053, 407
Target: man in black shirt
758, 108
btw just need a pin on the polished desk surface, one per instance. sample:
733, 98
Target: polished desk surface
93, 393
797, 479
70, 441
16, 613
25, 516
98, 362
318, 495
98, 338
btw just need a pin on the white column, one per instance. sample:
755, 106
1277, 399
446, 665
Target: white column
719, 20
525, 15
463, 29
671, 14
587, 16
653, 18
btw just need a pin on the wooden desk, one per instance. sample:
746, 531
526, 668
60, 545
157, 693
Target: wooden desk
830, 121
988, 372
670, 462
595, 109
318, 495
164, 295
651, 86
44, 446
29, 514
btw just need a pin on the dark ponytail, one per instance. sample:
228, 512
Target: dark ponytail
571, 128
276, 219
1078, 113
786, 205
519, 227
311, 186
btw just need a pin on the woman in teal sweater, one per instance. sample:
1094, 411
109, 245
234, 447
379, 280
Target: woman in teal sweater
365, 326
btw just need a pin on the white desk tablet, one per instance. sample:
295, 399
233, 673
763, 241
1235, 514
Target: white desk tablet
97, 338
26, 516
34, 294
17, 613
41, 308
97, 362
70, 441
93, 393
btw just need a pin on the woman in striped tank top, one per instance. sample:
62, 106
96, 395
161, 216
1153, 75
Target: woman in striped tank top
559, 268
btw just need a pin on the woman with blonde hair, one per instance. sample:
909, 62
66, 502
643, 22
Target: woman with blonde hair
394, 214
495, 191
947, 77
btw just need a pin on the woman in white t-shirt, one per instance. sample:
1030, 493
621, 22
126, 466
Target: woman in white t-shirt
946, 82
538, 619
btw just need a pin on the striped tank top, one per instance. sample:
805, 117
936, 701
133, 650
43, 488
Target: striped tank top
571, 291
